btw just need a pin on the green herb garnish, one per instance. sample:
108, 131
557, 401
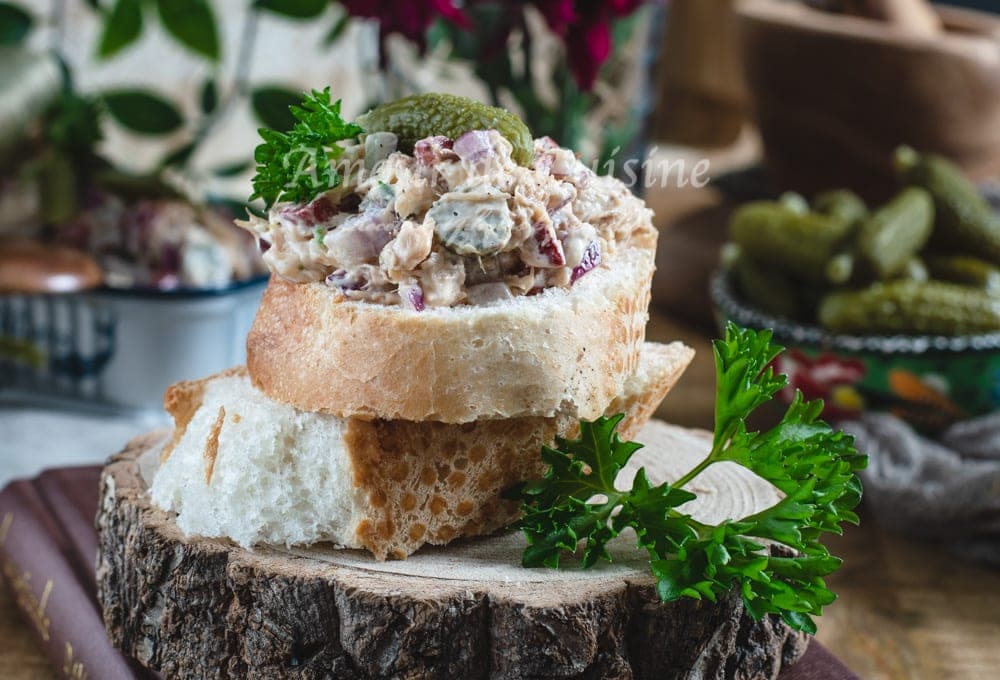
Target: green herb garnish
295, 165
812, 464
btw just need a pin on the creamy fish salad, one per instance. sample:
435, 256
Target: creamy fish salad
455, 222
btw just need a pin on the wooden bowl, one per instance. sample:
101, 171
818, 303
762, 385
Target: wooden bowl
834, 94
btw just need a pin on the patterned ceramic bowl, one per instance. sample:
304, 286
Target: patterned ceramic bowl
930, 381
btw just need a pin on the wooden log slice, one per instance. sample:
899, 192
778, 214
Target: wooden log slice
194, 607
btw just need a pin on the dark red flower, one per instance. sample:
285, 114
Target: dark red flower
589, 52
585, 26
409, 19
623, 8
559, 14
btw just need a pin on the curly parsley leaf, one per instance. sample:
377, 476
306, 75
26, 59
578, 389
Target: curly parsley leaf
296, 165
773, 557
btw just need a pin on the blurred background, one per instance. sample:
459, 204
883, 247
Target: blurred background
825, 168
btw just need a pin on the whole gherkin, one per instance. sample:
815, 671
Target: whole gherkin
424, 115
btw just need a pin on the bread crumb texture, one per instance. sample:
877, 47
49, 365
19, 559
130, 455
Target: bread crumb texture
279, 475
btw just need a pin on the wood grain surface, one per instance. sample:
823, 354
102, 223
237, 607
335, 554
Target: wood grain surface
465, 610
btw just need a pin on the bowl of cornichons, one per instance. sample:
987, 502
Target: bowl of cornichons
892, 307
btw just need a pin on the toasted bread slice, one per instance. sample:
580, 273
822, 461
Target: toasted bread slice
561, 351
258, 471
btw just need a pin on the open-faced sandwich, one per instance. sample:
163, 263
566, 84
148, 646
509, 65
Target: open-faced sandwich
454, 301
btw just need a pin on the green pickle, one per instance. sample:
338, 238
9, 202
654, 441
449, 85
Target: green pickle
842, 204
795, 243
966, 270
893, 234
840, 268
965, 221
911, 307
765, 288
424, 115
795, 202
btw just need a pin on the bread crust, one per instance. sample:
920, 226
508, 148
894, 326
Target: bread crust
559, 351
433, 482
181, 400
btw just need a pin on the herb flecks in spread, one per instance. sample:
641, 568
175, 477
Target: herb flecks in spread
457, 221
811, 464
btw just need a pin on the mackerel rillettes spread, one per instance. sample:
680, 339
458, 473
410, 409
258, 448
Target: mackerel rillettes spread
457, 222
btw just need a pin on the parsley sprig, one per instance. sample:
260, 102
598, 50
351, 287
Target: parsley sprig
296, 165
813, 465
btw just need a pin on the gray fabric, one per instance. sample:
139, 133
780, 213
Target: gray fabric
947, 489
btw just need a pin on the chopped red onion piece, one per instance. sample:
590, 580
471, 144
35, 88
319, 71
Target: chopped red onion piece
344, 281
474, 146
309, 215
543, 163
359, 240
431, 150
591, 258
264, 245
413, 295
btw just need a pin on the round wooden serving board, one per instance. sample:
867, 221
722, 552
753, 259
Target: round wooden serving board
193, 607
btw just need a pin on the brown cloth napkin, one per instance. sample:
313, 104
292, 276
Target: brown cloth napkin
946, 489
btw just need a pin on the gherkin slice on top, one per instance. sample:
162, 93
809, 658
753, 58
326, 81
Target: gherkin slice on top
425, 115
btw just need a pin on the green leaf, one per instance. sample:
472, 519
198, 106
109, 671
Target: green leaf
232, 169
272, 105
179, 156
744, 379
192, 23
15, 24
209, 98
296, 165
773, 558
122, 27
73, 126
142, 111
294, 9
336, 30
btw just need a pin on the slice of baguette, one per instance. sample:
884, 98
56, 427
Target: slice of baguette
257, 471
562, 350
